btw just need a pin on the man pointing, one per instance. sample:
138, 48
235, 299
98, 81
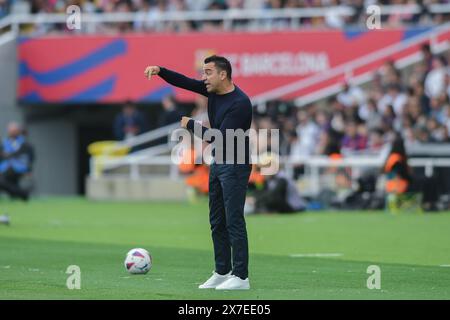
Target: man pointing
229, 108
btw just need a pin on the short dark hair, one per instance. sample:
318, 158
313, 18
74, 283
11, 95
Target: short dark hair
221, 63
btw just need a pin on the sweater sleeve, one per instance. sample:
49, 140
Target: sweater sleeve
181, 81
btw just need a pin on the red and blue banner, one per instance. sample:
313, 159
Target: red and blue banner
110, 69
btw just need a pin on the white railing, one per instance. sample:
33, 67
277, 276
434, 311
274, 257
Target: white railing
149, 136
312, 164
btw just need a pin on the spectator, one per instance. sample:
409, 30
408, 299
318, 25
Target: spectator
351, 96
389, 74
394, 97
423, 99
376, 141
307, 133
180, 26
4, 7
129, 123
287, 136
446, 117
427, 56
333, 19
396, 168
279, 194
170, 113
398, 19
352, 140
276, 23
435, 80
200, 111
447, 83
215, 25
422, 135
124, 7
368, 113
16, 158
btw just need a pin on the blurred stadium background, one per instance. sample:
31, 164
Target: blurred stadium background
337, 90
312, 68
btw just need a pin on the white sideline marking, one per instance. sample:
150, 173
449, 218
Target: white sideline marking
315, 255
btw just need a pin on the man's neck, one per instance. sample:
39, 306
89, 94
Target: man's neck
226, 89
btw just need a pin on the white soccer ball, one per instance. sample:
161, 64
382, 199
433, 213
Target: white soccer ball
138, 261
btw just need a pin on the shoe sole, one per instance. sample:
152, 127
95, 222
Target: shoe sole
206, 287
210, 287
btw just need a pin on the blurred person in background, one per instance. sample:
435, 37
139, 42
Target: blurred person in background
4, 7
435, 79
396, 169
170, 113
307, 133
395, 97
421, 97
16, 159
369, 114
427, 56
388, 74
129, 123
375, 141
305, 140
353, 140
278, 195
214, 25
351, 96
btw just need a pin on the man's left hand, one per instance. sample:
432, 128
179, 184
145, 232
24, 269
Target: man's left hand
184, 121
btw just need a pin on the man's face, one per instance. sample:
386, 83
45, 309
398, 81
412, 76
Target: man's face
128, 110
351, 129
13, 130
212, 76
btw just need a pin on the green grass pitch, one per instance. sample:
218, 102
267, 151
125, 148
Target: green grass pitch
48, 235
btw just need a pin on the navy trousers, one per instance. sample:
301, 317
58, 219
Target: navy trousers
227, 188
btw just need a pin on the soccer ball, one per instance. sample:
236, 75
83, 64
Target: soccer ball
138, 261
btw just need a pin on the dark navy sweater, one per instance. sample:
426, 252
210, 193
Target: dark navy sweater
232, 110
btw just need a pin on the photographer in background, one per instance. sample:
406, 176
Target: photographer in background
16, 158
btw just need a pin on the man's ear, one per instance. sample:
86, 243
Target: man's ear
223, 75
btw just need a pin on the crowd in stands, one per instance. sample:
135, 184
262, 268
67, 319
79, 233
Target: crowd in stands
152, 9
360, 119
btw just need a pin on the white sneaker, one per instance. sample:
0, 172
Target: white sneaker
234, 283
215, 280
